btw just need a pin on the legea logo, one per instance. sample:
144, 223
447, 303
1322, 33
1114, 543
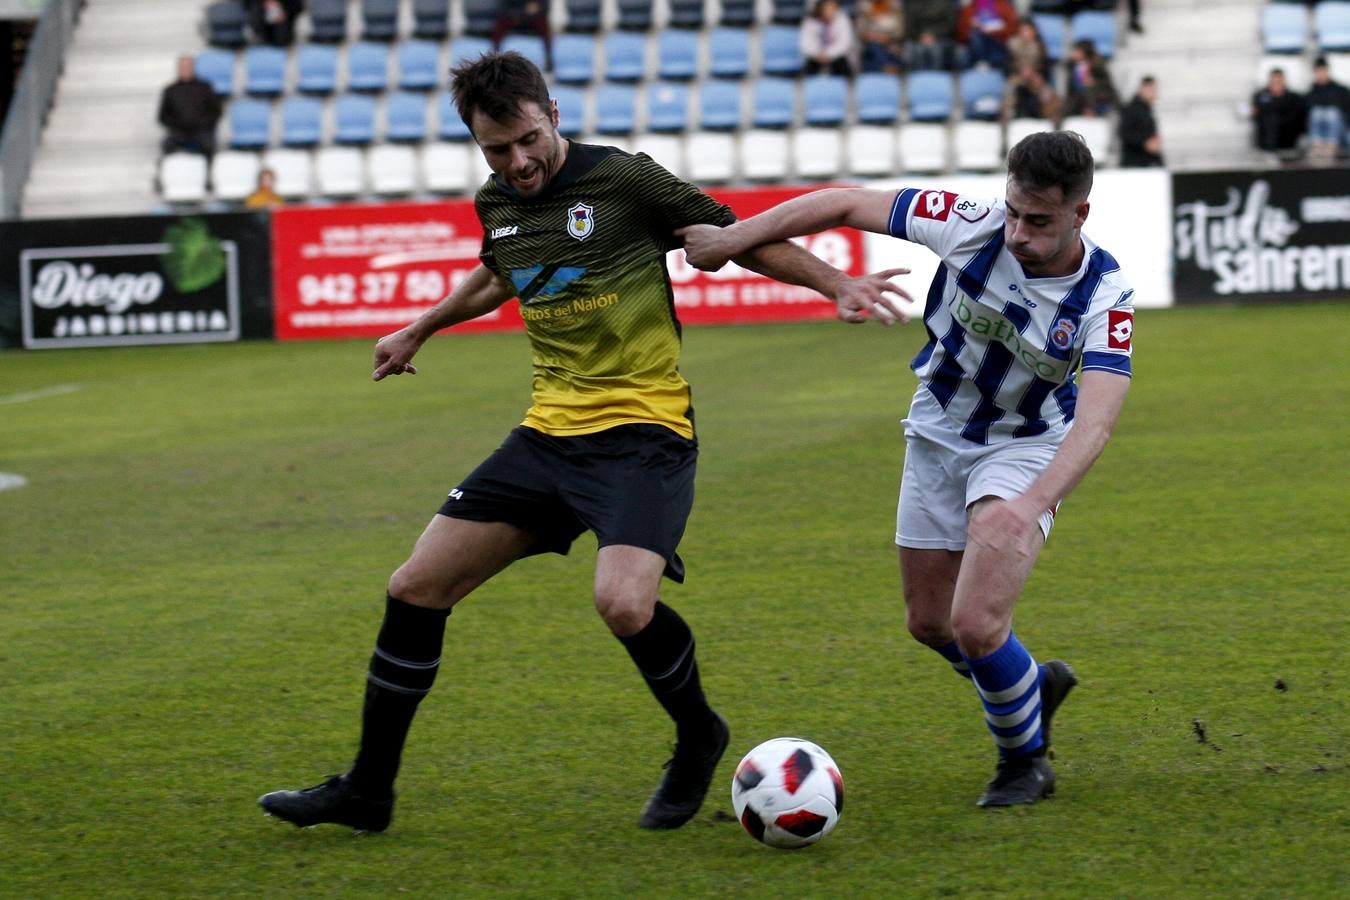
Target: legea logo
978, 320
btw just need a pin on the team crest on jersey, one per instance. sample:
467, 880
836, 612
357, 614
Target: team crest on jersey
1119, 329
970, 210
1062, 334
581, 221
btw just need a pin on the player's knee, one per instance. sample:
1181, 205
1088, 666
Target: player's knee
977, 632
407, 585
624, 614
926, 628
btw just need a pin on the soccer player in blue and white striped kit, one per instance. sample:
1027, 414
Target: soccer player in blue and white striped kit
1024, 374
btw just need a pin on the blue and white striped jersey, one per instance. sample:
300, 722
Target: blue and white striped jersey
1004, 347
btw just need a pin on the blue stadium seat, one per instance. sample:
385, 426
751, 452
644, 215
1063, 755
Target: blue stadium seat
878, 96
264, 71
583, 15
574, 58
354, 117
316, 68
530, 46
788, 12
250, 123
719, 105
1331, 25
615, 109
405, 117
1096, 26
677, 55
449, 126
225, 25
1284, 28
571, 110
467, 47
431, 19
216, 67
686, 13
419, 66
480, 17
931, 96
625, 56
780, 50
824, 100
667, 106
328, 21
301, 121
367, 66
379, 20
981, 91
729, 52
773, 102
1051, 28
635, 15
738, 13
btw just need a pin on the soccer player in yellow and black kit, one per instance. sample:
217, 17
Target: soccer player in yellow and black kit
579, 233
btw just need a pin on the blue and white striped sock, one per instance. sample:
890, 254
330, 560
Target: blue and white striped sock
1009, 682
952, 654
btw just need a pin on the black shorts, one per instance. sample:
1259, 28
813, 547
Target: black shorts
631, 484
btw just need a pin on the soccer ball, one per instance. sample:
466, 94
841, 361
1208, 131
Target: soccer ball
788, 793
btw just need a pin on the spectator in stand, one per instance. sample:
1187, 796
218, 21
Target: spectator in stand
189, 110
273, 21
1328, 114
1280, 115
827, 40
1030, 96
1027, 48
984, 27
1140, 143
264, 195
932, 24
1091, 92
524, 17
881, 32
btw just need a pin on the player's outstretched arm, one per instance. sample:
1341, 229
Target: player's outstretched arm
856, 299
479, 294
708, 247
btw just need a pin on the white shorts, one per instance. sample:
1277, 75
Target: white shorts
945, 474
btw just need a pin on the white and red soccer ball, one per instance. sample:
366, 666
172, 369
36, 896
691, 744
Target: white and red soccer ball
788, 793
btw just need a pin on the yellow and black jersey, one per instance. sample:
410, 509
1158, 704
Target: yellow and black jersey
587, 258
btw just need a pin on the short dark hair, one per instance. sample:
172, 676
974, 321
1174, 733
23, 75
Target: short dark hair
496, 84
1053, 159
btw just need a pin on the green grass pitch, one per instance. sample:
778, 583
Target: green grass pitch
192, 579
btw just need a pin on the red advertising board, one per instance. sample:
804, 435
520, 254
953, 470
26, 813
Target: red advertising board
367, 270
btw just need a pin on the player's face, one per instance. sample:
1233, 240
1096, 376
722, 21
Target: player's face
1041, 230
526, 150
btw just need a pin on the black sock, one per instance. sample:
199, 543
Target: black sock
402, 670
664, 654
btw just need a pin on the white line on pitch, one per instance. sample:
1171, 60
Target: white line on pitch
55, 390
9, 481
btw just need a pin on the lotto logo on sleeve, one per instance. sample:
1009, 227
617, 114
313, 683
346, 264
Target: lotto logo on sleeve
935, 205
1119, 329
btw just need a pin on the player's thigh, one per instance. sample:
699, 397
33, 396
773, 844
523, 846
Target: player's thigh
928, 579
627, 586
454, 556
987, 589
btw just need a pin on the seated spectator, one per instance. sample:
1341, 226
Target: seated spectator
827, 39
264, 196
931, 25
881, 31
1030, 96
1027, 48
1280, 115
273, 21
1140, 144
189, 110
1091, 92
1328, 114
524, 17
984, 27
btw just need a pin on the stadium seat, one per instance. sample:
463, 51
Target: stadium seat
1096, 26
710, 157
737, 13
182, 177
264, 71
431, 19
530, 46
635, 15
367, 66
480, 17
729, 52
981, 91
340, 171
1339, 64
923, 147
666, 149
765, 155
788, 12
301, 121
467, 47
1284, 28
328, 21
574, 58
615, 109
719, 106
1331, 25
824, 100
449, 126
1096, 133
817, 152
316, 68
583, 15
293, 170
870, 150
667, 106
391, 169
225, 25
446, 167
354, 119
216, 67
250, 123
773, 103
571, 110
780, 50
1052, 30
625, 56
419, 65
1297, 74
930, 96
1020, 128
405, 117
677, 55
878, 97
978, 146
686, 14
234, 174
379, 20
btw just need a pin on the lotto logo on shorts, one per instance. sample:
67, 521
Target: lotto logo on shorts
1119, 329
935, 205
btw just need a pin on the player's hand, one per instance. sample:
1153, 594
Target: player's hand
394, 353
872, 296
707, 247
